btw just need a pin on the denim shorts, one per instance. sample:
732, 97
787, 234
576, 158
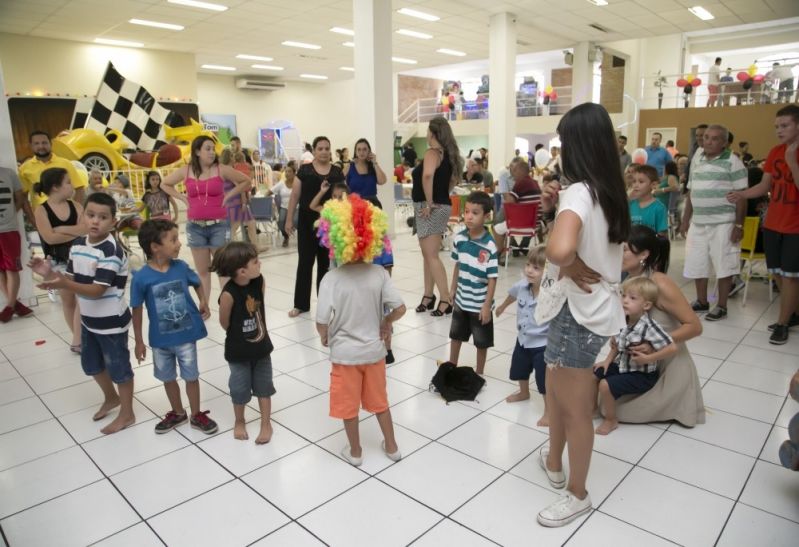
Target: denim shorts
211, 236
109, 352
570, 344
167, 359
248, 378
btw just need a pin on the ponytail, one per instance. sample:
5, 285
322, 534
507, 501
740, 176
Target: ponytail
643, 238
50, 179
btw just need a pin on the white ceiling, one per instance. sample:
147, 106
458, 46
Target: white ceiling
257, 27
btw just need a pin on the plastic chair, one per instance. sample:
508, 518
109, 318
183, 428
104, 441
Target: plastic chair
402, 205
522, 221
126, 234
749, 256
263, 212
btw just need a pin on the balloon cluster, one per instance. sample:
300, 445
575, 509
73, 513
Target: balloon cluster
750, 77
353, 230
639, 156
689, 83
550, 94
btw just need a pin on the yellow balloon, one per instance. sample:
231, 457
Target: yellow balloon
548, 89
752, 70
690, 78
445, 100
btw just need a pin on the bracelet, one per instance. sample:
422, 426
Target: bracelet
739, 226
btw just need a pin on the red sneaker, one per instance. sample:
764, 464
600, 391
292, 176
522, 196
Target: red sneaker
21, 309
6, 314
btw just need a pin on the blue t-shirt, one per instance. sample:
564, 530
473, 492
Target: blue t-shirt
174, 317
363, 185
657, 158
654, 215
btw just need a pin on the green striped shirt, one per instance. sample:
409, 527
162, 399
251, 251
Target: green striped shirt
710, 182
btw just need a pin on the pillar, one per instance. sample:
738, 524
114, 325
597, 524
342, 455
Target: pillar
374, 118
502, 96
582, 73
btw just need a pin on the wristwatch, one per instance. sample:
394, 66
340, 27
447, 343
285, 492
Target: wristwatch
739, 226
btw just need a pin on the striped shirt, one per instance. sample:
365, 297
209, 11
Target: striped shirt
710, 182
645, 329
104, 263
477, 263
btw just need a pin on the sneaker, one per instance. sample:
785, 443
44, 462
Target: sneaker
6, 314
697, 306
394, 456
389, 357
556, 478
349, 458
792, 322
21, 309
565, 510
717, 313
779, 336
789, 455
170, 422
737, 286
52, 295
202, 422
285, 242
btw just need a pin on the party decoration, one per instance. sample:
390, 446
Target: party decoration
353, 230
639, 156
688, 84
750, 77
550, 95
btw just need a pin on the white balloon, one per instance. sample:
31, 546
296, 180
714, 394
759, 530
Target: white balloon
639, 156
542, 157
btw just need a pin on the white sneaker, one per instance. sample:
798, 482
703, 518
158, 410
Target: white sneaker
565, 510
394, 456
352, 460
52, 295
556, 478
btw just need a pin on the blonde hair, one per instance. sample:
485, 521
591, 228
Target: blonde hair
537, 256
239, 157
643, 286
226, 157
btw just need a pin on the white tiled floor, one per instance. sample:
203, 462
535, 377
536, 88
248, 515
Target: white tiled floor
469, 476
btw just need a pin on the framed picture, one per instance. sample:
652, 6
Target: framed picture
224, 125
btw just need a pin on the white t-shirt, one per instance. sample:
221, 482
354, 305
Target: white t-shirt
283, 192
713, 75
599, 311
351, 302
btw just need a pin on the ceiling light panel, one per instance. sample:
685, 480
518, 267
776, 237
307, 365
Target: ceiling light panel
414, 34
313, 76
702, 13
340, 30
253, 57
267, 67
121, 43
418, 14
219, 67
200, 5
302, 45
155, 24
454, 52
404, 61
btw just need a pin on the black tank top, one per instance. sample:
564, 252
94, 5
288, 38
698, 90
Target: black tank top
247, 338
60, 251
441, 179
311, 182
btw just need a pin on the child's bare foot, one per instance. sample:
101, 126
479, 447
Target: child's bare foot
607, 426
266, 433
518, 396
544, 421
595, 413
105, 408
119, 423
240, 431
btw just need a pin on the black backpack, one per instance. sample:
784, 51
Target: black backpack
456, 383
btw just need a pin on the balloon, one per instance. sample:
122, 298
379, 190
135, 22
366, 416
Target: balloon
696, 82
682, 82
687, 89
546, 99
553, 96
752, 70
748, 84
548, 90
759, 78
542, 157
742, 76
639, 156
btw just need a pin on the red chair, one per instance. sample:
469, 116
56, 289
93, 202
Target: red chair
522, 221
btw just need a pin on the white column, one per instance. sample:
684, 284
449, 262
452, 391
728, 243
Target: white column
374, 90
582, 73
8, 159
502, 96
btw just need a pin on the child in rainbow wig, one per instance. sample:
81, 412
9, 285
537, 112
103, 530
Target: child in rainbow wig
350, 318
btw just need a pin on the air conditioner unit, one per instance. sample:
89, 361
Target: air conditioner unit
263, 85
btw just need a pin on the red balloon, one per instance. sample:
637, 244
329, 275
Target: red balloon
696, 82
759, 78
682, 82
742, 76
553, 96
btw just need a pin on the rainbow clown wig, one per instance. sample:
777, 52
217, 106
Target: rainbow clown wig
353, 229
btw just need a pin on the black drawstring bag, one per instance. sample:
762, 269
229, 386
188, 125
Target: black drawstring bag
456, 383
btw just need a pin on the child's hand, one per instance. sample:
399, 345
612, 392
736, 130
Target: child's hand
601, 365
500, 309
323, 339
140, 352
485, 314
55, 281
41, 266
325, 187
205, 312
641, 358
385, 329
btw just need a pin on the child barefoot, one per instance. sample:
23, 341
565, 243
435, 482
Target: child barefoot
528, 355
624, 372
247, 344
350, 319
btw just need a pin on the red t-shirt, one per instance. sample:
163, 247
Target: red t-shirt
526, 189
783, 208
399, 173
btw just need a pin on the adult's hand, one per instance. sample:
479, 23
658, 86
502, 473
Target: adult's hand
644, 348
549, 196
734, 197
289, 227
736, 234
582, 275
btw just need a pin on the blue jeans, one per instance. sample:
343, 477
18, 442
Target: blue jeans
109, 352
248, 378
165, 361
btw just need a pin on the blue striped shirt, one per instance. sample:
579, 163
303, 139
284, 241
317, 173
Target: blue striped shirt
103, 263
477, 263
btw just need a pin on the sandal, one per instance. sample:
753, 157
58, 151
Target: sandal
426, 306
75, 348
446, 311
296, 311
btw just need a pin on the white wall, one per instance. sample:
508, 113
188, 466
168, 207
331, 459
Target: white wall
39, 65
314, 109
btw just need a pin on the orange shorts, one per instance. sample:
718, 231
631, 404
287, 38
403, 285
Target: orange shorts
353, 386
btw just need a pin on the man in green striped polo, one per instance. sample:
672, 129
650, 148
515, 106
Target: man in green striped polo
713, 225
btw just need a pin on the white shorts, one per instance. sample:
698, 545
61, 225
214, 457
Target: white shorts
501, 228
710, 245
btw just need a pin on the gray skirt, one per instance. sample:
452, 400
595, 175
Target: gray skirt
435, 224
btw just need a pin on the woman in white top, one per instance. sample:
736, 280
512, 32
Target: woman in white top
282, 191
591, 226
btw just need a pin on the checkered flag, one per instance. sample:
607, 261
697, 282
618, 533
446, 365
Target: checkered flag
130, 109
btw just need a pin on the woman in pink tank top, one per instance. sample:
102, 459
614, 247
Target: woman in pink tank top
207, 227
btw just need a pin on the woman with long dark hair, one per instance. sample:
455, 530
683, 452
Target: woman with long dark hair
207, 227
591, 226
433, 179
364, 174
307, 184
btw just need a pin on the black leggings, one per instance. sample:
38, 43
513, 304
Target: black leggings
309, 251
